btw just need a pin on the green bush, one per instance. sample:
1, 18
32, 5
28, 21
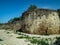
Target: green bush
57, 42
58, 12
14, 19
1, 40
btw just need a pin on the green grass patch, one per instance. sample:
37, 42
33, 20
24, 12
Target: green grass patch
22, 36
38, 42
33, 40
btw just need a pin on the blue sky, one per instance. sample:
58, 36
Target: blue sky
14, 8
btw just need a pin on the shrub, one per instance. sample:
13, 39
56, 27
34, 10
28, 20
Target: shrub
58, 12
14, 19
1, 40
32, 8
57, 42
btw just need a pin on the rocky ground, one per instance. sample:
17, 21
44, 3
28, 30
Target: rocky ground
10, 38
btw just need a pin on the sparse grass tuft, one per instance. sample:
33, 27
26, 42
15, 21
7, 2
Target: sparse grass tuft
28, 44
22, 36
8, 32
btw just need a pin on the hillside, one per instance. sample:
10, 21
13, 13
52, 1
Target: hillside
35, 21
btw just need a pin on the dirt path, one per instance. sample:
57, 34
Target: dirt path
10, 39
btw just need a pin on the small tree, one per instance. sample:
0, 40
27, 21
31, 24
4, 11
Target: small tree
32, 8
